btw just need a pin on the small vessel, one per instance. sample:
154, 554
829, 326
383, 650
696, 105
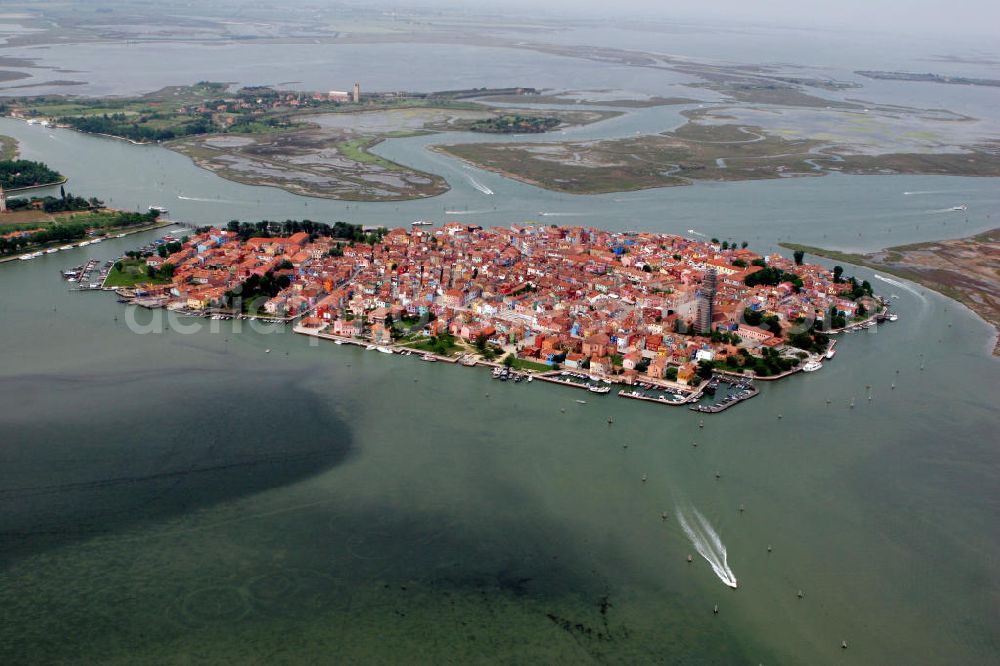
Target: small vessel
429, 358
338, 342
831, 353
582, 402
267, 351
421, 223
960, 208
812, 366
893, 316
370, 347
384, 350
600, 389
529, 378
158, 209
690, 559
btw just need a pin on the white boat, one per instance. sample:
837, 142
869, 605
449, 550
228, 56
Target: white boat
812, 366
158, 209
370, 347
831, 353
421, 223
582, 402
338, 342
529, 378
599, 389
960, 208
893, 317
83, 244
384, 350
25, 257
52, 250
96, 241
66, 247
120, 236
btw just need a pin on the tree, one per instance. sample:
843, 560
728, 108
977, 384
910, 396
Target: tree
508, 360
799, 256
838, 271
671, 373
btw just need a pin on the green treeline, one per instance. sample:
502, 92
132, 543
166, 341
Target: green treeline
74, 229
136, 127
65, 203
354, 233
515, 124
26, 173
772, 276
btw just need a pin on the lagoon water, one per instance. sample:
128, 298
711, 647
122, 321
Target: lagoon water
183, 496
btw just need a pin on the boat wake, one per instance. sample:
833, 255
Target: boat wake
221, 201
696, 233
563, 214
935, 192
902, 285
479, 186
708, 544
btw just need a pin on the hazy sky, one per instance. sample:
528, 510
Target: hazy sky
932, 16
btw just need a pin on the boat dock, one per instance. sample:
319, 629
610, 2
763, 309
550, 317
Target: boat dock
746, 391
635, 395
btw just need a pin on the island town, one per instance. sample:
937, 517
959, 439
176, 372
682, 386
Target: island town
667, 318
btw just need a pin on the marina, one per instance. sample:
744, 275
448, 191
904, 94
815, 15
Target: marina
736, 391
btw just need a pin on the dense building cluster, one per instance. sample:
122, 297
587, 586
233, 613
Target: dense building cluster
611, 302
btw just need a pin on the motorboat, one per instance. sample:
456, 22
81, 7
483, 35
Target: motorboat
893, 317
812, 366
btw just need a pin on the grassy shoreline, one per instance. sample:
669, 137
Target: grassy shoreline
108, 231
948, 277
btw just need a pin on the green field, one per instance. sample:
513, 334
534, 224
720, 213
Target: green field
522, 364
8, 147
132, 273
